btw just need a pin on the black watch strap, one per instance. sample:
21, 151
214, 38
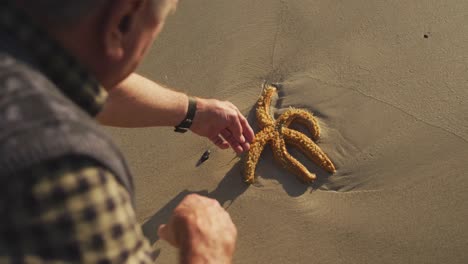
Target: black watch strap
187, 122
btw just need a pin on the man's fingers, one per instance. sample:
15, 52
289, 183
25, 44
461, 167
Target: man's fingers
224, 119
247, 129
166, 234
235, 145
236, 129
162, 232
220, 142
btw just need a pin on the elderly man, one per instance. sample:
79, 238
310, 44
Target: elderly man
66, 192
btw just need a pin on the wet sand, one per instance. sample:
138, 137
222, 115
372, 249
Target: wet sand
388, 82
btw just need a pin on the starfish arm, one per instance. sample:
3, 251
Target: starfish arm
263, 107
281, 155
309, 148
302, 117
253, 155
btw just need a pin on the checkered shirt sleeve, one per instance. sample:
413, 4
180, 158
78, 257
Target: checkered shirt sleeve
69, 210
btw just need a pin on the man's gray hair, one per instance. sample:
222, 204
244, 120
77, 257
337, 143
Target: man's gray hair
62, 12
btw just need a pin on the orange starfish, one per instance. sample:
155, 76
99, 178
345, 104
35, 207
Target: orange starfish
277, 133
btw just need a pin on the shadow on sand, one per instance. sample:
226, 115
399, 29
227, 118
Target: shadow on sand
227, 191
230, 187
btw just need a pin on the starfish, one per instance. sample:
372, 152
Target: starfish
277, 133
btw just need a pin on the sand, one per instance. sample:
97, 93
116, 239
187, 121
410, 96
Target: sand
388, 81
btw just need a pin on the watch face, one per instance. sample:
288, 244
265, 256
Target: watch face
180, 130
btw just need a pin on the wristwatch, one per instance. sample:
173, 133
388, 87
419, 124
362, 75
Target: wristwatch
187, 122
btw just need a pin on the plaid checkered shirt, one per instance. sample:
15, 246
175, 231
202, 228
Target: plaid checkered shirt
69, 209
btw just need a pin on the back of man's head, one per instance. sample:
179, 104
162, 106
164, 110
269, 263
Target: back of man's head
64, 13
108, 37
61, 12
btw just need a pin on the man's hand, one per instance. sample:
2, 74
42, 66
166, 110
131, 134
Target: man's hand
202, 230
223, 124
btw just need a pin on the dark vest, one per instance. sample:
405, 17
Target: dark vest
38, 123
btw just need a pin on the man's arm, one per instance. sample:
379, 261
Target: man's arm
140, 102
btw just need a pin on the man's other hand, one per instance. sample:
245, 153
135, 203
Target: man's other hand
202, 230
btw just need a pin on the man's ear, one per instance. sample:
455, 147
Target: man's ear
120, 16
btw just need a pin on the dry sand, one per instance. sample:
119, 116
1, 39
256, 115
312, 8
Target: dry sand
388, 81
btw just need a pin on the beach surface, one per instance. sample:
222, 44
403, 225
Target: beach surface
388, 82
